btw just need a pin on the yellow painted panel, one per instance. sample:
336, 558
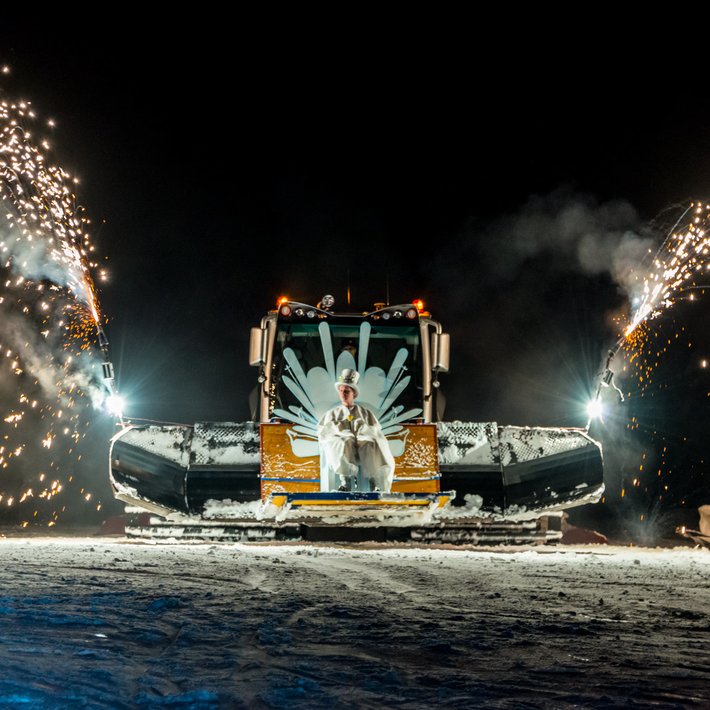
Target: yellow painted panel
420, 458
418, 461
430, 486
278, 459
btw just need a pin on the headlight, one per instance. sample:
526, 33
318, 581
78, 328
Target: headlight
595, 409
115, 404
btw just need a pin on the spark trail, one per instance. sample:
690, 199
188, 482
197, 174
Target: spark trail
662, 416
677, 270
51, 383
678, 265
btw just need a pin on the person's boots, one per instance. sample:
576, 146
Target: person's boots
373, 486
345, 484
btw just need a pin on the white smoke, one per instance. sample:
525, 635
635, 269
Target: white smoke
42, 259
576, 232
57, 374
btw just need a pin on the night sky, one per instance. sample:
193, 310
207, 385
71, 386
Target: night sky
220, 175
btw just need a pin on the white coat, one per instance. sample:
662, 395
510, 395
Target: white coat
352, 444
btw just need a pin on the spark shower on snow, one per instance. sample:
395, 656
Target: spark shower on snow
52, 377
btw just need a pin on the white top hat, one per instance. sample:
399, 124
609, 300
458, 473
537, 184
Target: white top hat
349, 378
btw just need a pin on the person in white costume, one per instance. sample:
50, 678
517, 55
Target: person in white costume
352, 443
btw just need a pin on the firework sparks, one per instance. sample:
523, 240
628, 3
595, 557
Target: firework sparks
677, 272
49, 305
678, 266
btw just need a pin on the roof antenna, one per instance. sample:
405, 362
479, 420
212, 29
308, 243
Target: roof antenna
387, 287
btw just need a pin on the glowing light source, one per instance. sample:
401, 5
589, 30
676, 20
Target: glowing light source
115, 404
595, 409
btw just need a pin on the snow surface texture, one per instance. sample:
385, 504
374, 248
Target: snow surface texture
212, 444
101, 623
486, 443
225, 444
172, 442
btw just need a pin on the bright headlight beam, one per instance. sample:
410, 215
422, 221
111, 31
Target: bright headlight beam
115, 404
594, 408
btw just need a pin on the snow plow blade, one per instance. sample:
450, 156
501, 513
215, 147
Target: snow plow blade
520, 469
205, 482
166, 469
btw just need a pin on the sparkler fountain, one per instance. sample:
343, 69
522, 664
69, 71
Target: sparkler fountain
677, 267
50, 313
657, 444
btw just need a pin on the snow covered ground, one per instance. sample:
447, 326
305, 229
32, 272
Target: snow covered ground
101, 622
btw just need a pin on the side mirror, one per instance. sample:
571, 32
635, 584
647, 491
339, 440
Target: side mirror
256, 347
440, 352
